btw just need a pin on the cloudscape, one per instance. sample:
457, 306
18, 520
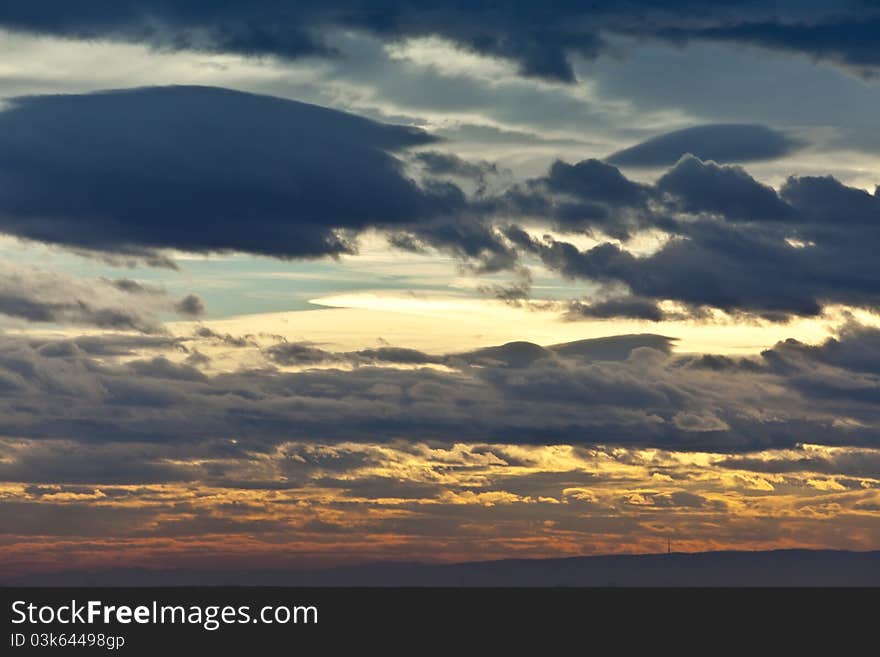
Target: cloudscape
300, 285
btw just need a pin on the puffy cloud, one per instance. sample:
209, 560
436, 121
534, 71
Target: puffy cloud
734, 243
856, 348
587, 195
728, 191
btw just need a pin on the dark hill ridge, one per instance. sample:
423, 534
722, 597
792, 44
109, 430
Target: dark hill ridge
739, 569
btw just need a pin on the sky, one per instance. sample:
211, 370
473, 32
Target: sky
306, 284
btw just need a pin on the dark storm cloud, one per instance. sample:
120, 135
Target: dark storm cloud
721, 143
531, 35
203, 169
725, 190
848, 39
587, 195
825, 201
735, 244
715, 266
541, 39
595, 181
856, 348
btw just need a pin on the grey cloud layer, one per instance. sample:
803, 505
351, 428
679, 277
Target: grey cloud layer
625, 390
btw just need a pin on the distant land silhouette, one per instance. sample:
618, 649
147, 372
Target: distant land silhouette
801, 568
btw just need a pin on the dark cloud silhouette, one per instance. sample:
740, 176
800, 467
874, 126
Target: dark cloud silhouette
725, 190
535, 38
856, 348
735, 244
595, 181
714, 266
719, 142
848, 39
203, 169
190, 305
623, 307
825, 202
541, 39
587, 195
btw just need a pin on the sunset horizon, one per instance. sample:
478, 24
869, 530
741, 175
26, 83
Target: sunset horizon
295, 286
